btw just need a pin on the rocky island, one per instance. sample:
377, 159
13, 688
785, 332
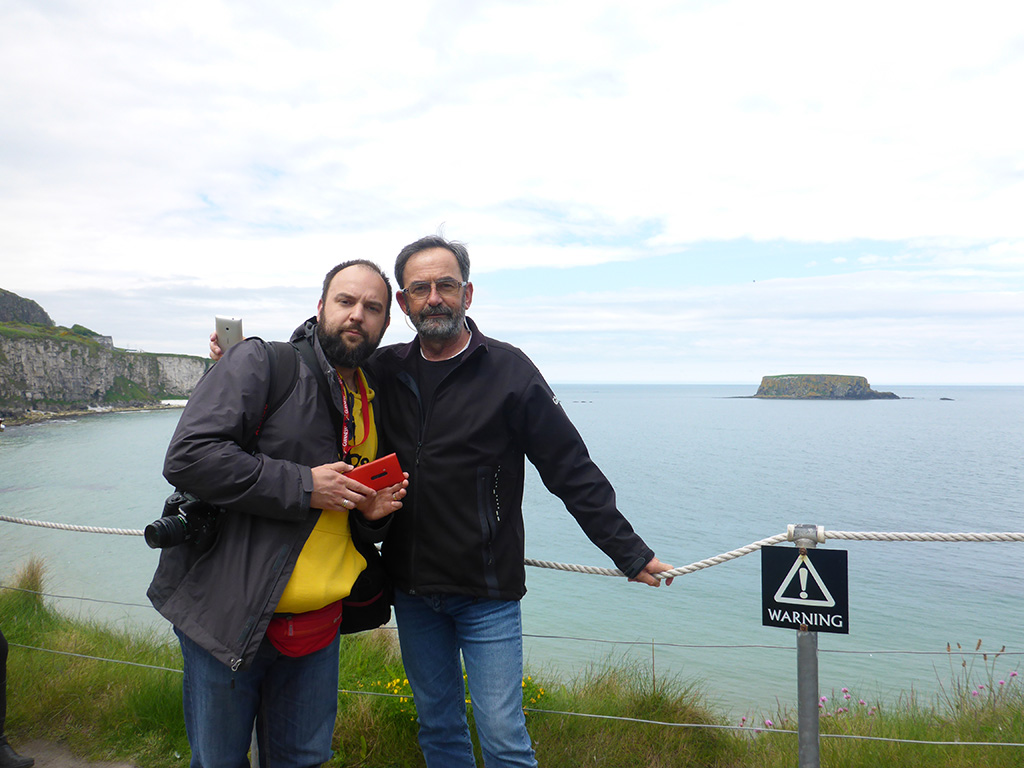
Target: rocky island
819, 386
47, 369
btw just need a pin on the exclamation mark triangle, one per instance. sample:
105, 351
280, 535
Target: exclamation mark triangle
802, 569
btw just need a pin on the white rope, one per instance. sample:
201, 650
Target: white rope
682, 571
875, 536
63, 527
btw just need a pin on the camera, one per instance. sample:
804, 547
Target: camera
185, 519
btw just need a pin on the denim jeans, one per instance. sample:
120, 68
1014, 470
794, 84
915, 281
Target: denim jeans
293, 702
432, 630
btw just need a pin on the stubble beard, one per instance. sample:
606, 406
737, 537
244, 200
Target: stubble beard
439, 323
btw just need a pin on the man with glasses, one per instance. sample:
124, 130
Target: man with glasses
462, 411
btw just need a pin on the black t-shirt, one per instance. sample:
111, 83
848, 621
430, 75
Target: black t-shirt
430, 374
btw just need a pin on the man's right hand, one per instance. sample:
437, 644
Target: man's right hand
332, 490
216, 353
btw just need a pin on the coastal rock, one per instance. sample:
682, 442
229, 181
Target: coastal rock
56, 369
819, 386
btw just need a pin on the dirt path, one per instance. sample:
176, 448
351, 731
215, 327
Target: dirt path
48, 754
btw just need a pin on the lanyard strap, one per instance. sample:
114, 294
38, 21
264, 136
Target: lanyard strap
364, 399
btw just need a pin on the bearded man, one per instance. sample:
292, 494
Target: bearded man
258, 612
463, 411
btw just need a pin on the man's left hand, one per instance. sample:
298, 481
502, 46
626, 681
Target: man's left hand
646, 576
386, 502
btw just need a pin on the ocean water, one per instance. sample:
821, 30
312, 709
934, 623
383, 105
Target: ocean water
698, 470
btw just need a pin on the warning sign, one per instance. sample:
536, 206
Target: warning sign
808, 591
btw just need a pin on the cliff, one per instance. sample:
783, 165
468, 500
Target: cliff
16, 309
820, 386
55, 369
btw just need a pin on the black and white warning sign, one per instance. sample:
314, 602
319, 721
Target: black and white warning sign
808, 590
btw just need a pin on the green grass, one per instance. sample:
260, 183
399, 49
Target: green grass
77, 333
119, 712
126, 391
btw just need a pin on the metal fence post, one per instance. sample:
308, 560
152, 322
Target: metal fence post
806, 537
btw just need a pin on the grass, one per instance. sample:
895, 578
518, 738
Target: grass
133, 713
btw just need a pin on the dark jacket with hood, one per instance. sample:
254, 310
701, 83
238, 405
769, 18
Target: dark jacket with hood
224, 598
460, 529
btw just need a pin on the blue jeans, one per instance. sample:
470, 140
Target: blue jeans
293, 702
432, 630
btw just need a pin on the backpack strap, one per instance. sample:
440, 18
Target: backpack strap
305, 350
284, 368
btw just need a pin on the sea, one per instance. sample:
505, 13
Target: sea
699, 470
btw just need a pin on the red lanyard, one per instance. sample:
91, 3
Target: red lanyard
365, 400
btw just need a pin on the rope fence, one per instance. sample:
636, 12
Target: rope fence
700, 565
725, 557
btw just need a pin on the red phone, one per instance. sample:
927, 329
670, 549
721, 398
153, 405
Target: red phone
378, 474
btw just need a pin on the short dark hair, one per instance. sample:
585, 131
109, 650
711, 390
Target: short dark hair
457, 249
359, 263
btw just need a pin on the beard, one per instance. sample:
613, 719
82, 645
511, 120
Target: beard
439, 323
339, 352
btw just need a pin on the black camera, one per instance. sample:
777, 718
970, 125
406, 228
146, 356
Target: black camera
185, 519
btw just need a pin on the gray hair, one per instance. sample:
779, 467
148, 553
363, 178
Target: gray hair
457, 249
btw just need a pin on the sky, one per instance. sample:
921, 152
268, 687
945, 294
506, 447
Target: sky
667, 192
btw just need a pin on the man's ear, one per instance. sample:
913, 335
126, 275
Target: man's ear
469, 296
400, 298
319, 307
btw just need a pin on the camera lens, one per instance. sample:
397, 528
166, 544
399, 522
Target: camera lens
165, 532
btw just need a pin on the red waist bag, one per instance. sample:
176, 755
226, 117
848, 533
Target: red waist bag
301, 634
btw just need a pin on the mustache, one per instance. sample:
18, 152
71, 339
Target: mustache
440, 311
354, 327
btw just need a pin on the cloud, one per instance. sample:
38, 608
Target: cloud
209, 152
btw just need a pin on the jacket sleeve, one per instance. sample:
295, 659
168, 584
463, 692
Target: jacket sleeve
554, 446
206, 455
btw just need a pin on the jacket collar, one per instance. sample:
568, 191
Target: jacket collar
308, 331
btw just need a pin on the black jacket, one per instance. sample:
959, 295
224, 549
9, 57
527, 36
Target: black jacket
460, 529
224, 598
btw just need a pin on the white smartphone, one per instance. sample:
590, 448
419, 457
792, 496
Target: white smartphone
229, 331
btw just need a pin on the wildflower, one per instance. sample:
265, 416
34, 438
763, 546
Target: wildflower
1013, 674
847, 696
769, 724
824, 698
1002, 682
974, 693
862, 702
846, 690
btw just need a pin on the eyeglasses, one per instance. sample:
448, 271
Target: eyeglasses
447, 288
